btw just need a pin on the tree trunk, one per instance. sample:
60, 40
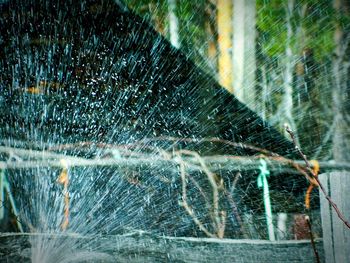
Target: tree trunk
287, 101
224, 19
244, 61
306, 98
173, 24
341, 91
212, 35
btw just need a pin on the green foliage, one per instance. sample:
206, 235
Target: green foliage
192, 19
312, 23
155, 11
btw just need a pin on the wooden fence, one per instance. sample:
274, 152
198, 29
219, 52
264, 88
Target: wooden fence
143, 247
336, 236
333, 248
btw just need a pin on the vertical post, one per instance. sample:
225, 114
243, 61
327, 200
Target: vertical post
336, 236
281, 226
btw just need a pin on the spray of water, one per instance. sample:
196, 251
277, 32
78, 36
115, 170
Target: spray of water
92, 84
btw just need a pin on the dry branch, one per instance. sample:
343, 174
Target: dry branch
276, 164
218, 216
314, 178
185, 204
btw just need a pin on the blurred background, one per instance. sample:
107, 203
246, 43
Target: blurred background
287, 60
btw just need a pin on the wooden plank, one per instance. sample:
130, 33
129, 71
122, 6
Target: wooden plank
144, 247
336, 236
335, 189
340, 189
326, 220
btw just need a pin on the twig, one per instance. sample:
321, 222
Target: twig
314, 177
211, 178
184, 200
25, 154
223, 141
201, 191
231, 200
218, 217
307, 218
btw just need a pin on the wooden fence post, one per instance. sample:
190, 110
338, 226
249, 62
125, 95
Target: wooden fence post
336, 236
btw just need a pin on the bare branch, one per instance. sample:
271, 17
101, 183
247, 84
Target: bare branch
314, 177
219, 217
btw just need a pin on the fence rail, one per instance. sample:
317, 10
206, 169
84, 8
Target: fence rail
335, 177
144, 247
223, 163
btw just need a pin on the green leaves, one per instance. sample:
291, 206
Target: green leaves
311, 21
